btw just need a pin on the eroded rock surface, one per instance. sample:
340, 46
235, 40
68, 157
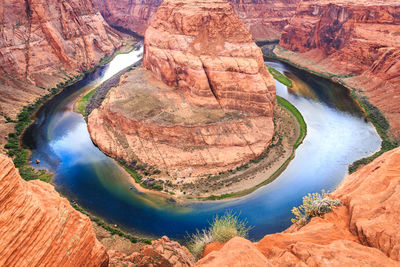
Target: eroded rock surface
265, 19
363, 232
162, 252
40, 228
344, 38
213, 109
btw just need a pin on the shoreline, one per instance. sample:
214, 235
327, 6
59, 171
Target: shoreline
272, 173
371, 112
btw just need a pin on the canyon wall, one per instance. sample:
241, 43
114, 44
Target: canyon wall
41, 43
205, 102
357, 41
265, 19
362, 232
40, 228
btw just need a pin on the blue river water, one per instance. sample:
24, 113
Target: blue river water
338, 134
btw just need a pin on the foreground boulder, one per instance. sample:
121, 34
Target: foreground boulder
363, 232
40, 228
204, 104
162, 252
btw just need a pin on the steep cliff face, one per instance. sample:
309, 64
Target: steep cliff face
361, 38
43, 41
363, 232
202, 46
213, 109
39, 228
265, 19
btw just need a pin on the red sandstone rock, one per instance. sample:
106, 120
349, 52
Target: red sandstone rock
43, 41
40, 228
202, 47
265, 19
363, 232
351, 37
238, 252
161, 253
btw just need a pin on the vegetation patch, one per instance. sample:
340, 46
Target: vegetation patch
300, 119
222, 229
314, 205
280, 77
14, 148
381, 125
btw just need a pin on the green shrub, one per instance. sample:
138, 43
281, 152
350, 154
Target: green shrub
222, 229
314, 205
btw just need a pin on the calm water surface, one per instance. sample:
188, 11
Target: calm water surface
337, 136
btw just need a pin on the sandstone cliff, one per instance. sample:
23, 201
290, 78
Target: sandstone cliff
39, 228
213, 110
363, 232
42, 42
265, 19
351, 38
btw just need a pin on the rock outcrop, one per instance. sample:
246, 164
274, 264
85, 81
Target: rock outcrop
351, 38
265, 19
363, 232
44, 41
162, 252
40, 228
213, 110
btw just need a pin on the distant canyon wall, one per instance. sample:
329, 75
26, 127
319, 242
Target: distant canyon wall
351, 37
265, 19
43, 41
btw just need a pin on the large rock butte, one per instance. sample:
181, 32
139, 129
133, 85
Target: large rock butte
265, 19
213, 110
351, 37
39, 228
363, 232
43, 41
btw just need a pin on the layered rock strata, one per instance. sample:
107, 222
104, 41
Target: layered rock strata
265, 19
363, 232
44, 41
213, 109
351, 38
39, 228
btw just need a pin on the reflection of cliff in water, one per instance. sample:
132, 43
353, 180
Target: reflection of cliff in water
314, 87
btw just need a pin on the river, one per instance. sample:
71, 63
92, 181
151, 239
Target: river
338, 134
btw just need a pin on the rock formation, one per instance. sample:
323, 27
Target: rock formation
213, 110
162, 252
363, 232
43, 41
40, 228
265, 19
360, 38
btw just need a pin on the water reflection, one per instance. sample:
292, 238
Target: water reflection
337, 136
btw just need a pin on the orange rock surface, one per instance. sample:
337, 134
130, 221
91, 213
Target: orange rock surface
265, 19
361, 38
162, 252
202, 47
40, 228
43, 41
363, 232
213, 109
